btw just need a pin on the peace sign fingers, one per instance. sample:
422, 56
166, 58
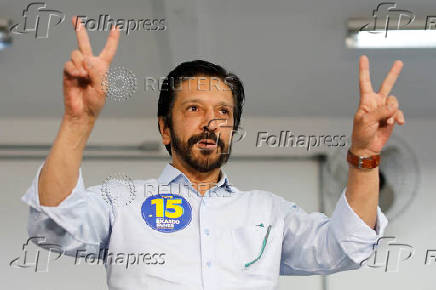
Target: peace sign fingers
364, 76
390, 79
111, 46
82, 37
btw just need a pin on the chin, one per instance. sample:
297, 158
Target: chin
206, 159
205, 162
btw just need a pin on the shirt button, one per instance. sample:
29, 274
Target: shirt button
206, 232
209, 264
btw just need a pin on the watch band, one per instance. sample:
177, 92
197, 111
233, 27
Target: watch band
363, 162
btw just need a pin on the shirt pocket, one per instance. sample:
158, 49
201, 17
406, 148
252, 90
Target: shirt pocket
256, 251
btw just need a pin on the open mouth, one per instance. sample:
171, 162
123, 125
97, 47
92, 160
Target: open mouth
207, 144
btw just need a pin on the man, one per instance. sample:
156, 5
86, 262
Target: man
230, 239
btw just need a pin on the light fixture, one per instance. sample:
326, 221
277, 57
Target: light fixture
5, 37
362, 33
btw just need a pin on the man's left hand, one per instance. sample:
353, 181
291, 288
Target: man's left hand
377, 113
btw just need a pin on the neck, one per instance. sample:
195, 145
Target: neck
201, 181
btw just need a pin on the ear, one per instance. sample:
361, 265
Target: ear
164, 131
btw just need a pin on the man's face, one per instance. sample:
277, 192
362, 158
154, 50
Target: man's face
202, 123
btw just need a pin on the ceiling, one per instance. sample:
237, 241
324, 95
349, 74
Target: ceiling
290, 55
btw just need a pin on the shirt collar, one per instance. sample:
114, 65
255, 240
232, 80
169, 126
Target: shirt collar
170, 174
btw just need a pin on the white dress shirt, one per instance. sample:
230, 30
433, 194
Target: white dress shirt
227, 239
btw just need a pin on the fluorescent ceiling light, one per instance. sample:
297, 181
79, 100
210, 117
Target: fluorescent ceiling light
394, 39
411, 36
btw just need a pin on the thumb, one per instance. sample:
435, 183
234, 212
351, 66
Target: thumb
88, 63
384, 112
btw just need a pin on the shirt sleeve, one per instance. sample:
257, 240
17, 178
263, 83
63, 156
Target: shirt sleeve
316, 244
82, 221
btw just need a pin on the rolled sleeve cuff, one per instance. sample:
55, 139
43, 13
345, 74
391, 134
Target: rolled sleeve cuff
356, 238
61, 212
31, 197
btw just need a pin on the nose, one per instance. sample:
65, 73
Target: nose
214, 124
213, 120
209, 122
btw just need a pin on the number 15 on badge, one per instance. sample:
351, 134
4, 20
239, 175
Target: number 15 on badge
166, 213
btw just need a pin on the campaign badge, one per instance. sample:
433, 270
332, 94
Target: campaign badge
166, 213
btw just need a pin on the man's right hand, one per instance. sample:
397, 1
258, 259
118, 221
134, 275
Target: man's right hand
84, 95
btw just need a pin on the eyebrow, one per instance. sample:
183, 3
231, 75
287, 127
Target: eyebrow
200, 101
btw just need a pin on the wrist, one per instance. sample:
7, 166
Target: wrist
81, 123
74, 133
363, 152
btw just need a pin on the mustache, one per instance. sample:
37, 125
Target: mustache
205, 135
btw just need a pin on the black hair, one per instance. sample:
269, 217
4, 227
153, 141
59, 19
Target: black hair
196, 68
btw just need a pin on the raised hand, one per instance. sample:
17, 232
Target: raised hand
377, 113
84, 96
